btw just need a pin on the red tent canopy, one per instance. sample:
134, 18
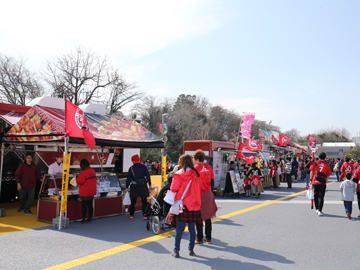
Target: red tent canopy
44, 124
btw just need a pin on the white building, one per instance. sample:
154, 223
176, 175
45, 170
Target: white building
336, 149
356, 140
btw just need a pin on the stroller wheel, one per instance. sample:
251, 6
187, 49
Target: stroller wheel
156, 226
148, 225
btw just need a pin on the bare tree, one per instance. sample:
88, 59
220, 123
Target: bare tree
332, 135
83, 76
294, 134
120, 94
17, 84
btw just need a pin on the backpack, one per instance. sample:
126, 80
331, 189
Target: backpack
288, 168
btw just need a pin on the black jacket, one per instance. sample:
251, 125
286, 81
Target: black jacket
141, 172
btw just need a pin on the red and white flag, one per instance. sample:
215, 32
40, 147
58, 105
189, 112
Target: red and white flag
76, 124
274, 140
253, 145
283, 140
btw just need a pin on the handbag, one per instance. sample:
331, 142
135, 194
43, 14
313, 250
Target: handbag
177, 207
170, 197
310, 193
127, 200
140, 182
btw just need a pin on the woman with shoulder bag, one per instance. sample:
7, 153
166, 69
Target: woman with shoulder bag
137, 181
191, 201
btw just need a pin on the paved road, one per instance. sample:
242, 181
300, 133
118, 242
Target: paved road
273, 232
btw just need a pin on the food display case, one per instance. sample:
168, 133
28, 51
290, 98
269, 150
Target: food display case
107, 201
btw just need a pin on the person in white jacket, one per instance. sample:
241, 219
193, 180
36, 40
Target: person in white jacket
348, 189
57, 166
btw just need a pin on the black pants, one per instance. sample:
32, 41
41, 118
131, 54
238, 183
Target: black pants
358, 198
133, 202
199, 230
319, 194
288, 180
274, 181
29, 193
87, 204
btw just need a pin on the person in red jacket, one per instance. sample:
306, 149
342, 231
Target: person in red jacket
319, 173
273, 173
191, 202
87, 189
208, 205
25, 177
356, 179
347, 167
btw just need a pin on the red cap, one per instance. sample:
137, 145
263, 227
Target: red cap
135, 158
59, 155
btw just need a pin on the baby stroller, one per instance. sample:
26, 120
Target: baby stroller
157, 210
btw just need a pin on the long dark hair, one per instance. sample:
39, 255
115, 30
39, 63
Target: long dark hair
84, 164
185, 161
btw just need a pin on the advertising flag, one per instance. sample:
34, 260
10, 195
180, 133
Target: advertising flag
77, 125
161, 127
247, 121
242, 147
274, 140
283, 140
253, 145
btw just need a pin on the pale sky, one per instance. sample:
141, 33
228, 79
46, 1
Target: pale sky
295, 62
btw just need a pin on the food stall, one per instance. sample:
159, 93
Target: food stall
45, 126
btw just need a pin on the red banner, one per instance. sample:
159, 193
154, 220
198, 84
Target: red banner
284, 140
76, 125
161, 127
274, 140
242, 147
253, 145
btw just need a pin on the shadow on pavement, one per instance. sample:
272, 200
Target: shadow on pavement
250, 253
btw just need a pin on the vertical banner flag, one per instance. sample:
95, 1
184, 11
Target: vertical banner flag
65, 181
165, 128
312, 145
253, 145
247, 121
161, 127
163, 169
242, 147
283, 140
274, 140
76, 124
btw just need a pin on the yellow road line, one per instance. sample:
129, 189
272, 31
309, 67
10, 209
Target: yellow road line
144, 241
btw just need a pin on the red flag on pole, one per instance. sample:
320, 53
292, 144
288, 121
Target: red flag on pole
283, 140
242, 147
274, 140
253, 145
76, 124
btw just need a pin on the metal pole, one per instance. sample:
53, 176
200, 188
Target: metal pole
1, 166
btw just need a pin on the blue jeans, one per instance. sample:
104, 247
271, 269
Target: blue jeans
180, 225
307, 179
338, 175
274, 181
348, 207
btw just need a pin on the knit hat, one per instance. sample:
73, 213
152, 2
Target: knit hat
135, 158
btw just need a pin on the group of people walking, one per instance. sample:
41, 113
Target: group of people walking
193, 184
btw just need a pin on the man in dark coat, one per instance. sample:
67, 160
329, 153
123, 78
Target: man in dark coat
295, 167
25, 176
137, 181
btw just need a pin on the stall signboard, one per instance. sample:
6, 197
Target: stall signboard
217, 168
65, 183
239, 183
234, 181
264, 136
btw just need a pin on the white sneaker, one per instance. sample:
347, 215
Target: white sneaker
320, 214
316, 211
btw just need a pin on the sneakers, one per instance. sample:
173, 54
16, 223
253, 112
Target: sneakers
21, 209
27, 212
145, 217
316, 211
191, 252
207, 241
320, 214
89, 220
83, 221
348, 215
175, 253
359, 215
131, 216
197, 242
